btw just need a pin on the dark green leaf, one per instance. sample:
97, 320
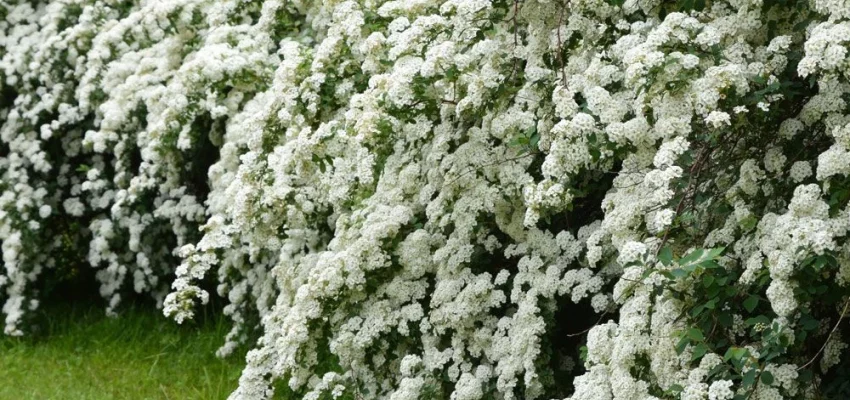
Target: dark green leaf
808, 323
680, 346
725, 319
749, 378
751, 303
766, 377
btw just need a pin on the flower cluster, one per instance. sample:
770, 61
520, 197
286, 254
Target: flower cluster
446, 198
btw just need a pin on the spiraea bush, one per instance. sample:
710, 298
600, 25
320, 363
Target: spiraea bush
462, 199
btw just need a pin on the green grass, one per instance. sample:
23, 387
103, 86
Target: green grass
80, 354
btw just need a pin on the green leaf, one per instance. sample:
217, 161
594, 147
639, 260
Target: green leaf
535, 139
680, 346
697, 310
679, 273
699, 351
755, 320
319, 161
713, 290
772, 355
801, 26
665, 255
820, 262
808, 323
700, 257
735, 353
717, 369
714, 253
707, 280
749, 378
807, 261
749, 223
726, 319
691, 257
695, 334
751, 303
766, 377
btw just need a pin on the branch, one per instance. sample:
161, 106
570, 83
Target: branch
832, 332
560, 48
695, 170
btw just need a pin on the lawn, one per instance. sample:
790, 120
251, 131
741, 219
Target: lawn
80, 354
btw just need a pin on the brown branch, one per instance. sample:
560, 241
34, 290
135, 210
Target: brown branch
513, 20
560, 46
591, 327
475, 168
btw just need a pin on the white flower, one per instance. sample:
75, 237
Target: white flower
421, 185
44, 211
800, 170
720, 390
718, 119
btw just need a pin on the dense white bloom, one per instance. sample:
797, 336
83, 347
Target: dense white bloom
833, 351
421, 188
718, 119
800, 170
720, 390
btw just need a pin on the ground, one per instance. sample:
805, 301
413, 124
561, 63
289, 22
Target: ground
79, 353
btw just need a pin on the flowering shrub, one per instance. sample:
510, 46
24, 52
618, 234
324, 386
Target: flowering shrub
464, 199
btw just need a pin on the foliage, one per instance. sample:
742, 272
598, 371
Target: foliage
459, 199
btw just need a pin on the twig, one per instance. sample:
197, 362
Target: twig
694, 169
560, 47
475, 168
516, 39
591, 327
832, 332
